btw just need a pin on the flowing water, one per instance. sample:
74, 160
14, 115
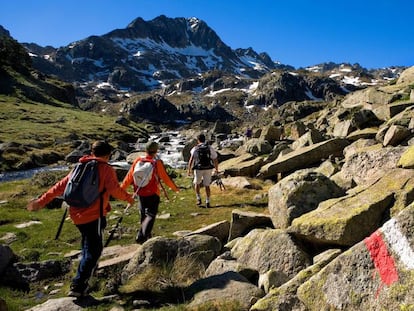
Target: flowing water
170, 152
17, 175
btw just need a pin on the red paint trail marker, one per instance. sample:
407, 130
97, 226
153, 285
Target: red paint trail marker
383, 261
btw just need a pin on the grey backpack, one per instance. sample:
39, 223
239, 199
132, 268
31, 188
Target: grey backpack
83, 186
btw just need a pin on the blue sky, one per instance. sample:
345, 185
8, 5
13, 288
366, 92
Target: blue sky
300, 33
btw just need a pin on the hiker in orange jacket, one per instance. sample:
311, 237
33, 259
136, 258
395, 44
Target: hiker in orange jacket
149, 195
89, 220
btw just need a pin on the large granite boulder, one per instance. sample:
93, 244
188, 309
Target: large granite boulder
366, 163
298, 194
244, 165
375, 274
265, 249
227, 289
304, 157
347, 220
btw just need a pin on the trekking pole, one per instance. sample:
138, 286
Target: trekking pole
61, 223
219, 182
112, 231
163, 190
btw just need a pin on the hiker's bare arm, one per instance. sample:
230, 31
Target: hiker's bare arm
190, 164
215, 161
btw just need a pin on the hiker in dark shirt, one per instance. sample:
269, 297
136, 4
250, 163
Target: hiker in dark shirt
203, 161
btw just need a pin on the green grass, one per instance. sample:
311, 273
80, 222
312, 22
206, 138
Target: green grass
26, 122
45, 128
37, 243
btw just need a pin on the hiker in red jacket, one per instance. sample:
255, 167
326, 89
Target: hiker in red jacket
149, 196
90, 221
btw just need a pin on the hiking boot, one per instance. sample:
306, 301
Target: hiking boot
77, 292
73, 293
140, 239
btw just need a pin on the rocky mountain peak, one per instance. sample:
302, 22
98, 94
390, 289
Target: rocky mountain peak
149, 54
185, 55
174, 32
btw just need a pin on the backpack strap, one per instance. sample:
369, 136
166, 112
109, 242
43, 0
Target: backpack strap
101, 215
101, 203
102, 192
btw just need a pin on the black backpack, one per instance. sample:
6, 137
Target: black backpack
202, 157
83, 186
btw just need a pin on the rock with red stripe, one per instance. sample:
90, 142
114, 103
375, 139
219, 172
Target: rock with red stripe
375, 274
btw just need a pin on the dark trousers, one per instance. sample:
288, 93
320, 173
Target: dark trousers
92, 246
148, 210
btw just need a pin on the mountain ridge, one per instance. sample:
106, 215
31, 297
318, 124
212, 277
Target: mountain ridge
147, 55
185, 59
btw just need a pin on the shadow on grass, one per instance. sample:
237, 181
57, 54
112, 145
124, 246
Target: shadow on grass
240, 205
90, 301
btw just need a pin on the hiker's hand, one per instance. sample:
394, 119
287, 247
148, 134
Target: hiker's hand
33, 205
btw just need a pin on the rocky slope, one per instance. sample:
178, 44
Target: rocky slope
338, 235
19, 78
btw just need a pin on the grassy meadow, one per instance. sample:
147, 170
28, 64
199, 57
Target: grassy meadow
37, 241
41, 128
